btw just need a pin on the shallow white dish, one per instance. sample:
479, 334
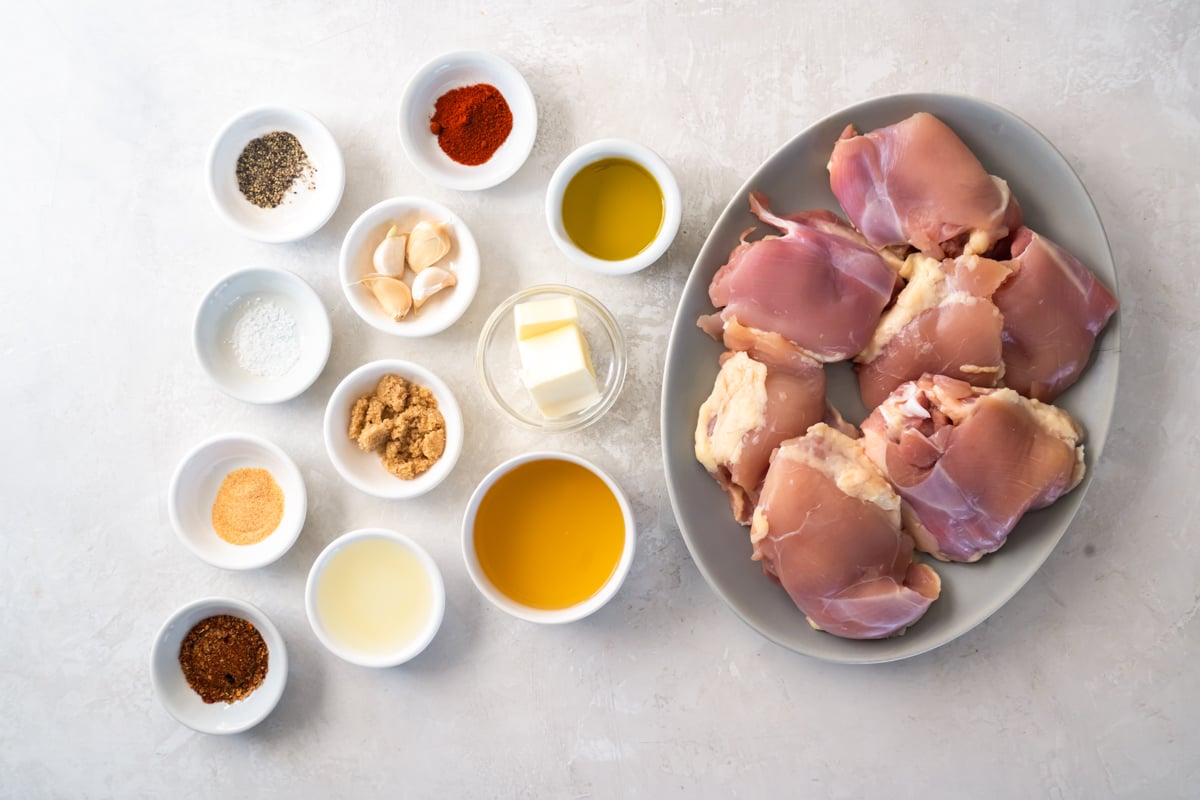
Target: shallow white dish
498, 362
639, 154
182, 702
423, 638
520, 610
1055, 203
217, 318
364, 470
194, 488
302, 213
452, 71
442, 309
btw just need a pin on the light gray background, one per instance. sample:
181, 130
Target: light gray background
1083, 686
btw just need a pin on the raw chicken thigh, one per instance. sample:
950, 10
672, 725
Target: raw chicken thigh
916, 183
1054, 307
753, 407
827, 527
943, 322
969, 462
817, 286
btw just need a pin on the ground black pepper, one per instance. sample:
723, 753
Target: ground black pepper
224, 658
270, 166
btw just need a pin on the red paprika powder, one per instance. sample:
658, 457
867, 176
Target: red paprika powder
471, 123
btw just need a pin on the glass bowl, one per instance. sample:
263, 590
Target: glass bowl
498, 363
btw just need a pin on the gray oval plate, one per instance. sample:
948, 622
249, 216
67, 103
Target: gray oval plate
1055, 204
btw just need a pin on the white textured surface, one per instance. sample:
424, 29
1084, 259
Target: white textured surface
1083, 686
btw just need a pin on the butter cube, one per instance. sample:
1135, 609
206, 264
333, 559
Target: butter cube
536, 317
557, 370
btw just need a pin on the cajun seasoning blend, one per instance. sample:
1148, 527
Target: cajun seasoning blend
224, 658
471, 123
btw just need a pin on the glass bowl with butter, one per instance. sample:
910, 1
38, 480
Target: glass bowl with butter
551, 358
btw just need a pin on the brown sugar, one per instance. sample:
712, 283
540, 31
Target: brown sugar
249, 506
400, 421
224, 658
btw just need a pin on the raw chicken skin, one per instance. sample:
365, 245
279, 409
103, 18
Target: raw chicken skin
916, 182
943, 322
821, 291
1054, 307
753, 407
827, 527
969, 462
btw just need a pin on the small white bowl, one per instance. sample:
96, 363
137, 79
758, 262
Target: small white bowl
363, 470
520, 610
182, 702
639, 154
428, 631
452, 71
302, 213
217, 318
194, 488
498, 363
358, 248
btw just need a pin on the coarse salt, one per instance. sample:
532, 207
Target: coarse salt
264, 340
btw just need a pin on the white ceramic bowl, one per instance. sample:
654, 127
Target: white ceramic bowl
302, 213
364, 470
423, 638
217, 318
452, 71
194, 488
182, 702
440, 311
498, 363
520, 610
639, 154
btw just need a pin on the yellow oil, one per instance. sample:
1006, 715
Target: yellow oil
549, 534
612, 209
374, 596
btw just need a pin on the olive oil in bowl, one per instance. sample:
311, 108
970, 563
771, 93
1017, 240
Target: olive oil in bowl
613, 209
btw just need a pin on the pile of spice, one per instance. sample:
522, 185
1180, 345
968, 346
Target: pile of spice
264, 339
249, 506
400, 421
270, 166
224, 658
471, 123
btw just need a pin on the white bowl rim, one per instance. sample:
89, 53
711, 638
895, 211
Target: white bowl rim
447, 404
428, 632
325, 333
639, 154
568, 425
278, 663
286, 537
487, 174
338, 170
521, 611
466, 244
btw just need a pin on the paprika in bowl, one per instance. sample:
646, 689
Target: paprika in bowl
467, 120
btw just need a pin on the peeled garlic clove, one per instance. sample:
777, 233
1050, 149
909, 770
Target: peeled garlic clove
392, 294
389, 255
429, 282
427, 244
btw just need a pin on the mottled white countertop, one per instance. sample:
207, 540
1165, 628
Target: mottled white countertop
1083, 686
